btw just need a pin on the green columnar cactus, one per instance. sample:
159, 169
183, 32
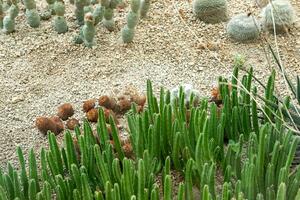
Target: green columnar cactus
89, 30
98, 13
210, 11
60, 24
145, 5
79, 11
9, 20
132, 20
243, 27
33, 18
109, 6
281, 13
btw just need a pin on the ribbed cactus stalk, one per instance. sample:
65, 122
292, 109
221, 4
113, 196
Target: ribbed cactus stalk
98, 13
145, 5
9, 20
281, 13
109, 6
210, 11
32, 16
89, 30
243, 27
79, 11
60, 24
132, 20
1, 15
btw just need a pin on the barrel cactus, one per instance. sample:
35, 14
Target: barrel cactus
243, 27
60, 24
132, 20
280, 12
145, 5
32, 16
210, 11
88, 30
9, 20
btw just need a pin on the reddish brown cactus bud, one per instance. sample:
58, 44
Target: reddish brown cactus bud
107, 102
58, 123
92, 115
139, 100
88, 105
124, 105
72, 123
65, 111
45, 124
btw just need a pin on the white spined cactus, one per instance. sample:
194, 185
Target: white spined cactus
278, 14
188, 90
210, 11
243, 27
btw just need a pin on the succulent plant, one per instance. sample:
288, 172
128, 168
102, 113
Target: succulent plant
60, 24
210, 11
243, 27
51, 6
132, 20
9, 20
145, 6
79, 11
1, 15
98, 13
32, 16
188, 90
89, 30
109, 6
281, 12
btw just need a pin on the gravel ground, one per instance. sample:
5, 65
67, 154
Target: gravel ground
40, 69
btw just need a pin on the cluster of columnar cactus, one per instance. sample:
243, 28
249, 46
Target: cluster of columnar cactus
132, 20
145, 6
278, 15
210, 11
60, 24
32, 16
109, 6
9, 20
243, 27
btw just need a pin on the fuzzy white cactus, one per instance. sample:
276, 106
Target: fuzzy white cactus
243, 27
279, 14
188, 90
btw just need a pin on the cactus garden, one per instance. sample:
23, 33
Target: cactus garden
149, 100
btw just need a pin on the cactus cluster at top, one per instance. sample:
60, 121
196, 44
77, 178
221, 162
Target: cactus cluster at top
132, 20
243, 27
32, 16
9, 20
109, 6
278, 15
211, 11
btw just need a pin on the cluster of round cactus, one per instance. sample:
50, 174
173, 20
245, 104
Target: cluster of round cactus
243, 27
278, 15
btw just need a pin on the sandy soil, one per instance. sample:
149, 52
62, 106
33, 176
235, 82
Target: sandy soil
40, 69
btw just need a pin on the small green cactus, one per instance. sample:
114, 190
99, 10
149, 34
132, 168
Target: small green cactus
98, 13
281, 13
243, 27
88, 30
9, 20
51, 6
210, 11
132, 20
109, 6
79, 11
32, 16
60, 24
145, 5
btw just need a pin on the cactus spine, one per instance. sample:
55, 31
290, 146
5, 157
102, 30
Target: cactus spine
32, 16
243, 27
210, 11
145, 5
109, 6
60, 24
9, 20
281, 12
132, 20
88, 30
